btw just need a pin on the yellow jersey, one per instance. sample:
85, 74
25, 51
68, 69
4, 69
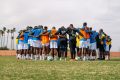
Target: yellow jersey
16, 41
77, 41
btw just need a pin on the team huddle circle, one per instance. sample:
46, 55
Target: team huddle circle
39, 43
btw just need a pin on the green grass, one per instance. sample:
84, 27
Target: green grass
13, 69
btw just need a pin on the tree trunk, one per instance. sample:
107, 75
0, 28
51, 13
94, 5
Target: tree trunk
7, 40
4, 40
1, 41
13, 40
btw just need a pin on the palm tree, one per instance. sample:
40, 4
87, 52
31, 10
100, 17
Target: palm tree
4, 29
1, 35
8, 31
14, 29
11, 31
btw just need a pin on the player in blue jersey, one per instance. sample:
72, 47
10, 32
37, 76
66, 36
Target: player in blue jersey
92, 44
37, 31
26, 45
30, 42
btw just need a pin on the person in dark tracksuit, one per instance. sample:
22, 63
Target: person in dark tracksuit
98, 46
71, 31
62, 42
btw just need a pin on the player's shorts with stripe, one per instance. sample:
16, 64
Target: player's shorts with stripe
93, 46
37, 43
21, 45
83, 44
107, 48
88, 43
30, 42
53, 44
26, 46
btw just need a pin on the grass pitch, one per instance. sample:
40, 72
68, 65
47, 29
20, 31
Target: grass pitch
13, 69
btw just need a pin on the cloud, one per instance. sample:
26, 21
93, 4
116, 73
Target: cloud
98, 13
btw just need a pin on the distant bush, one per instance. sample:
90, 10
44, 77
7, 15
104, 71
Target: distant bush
4, 48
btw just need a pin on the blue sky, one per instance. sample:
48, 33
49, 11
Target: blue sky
98, 13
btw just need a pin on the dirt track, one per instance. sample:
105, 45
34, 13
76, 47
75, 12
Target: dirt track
7, 52
13, 53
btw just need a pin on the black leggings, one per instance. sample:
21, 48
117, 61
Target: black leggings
72, 45
73, 52
63, 52
102, 52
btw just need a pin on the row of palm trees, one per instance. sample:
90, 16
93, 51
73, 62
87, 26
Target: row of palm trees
4, 37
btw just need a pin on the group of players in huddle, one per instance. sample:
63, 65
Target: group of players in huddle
83, 43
